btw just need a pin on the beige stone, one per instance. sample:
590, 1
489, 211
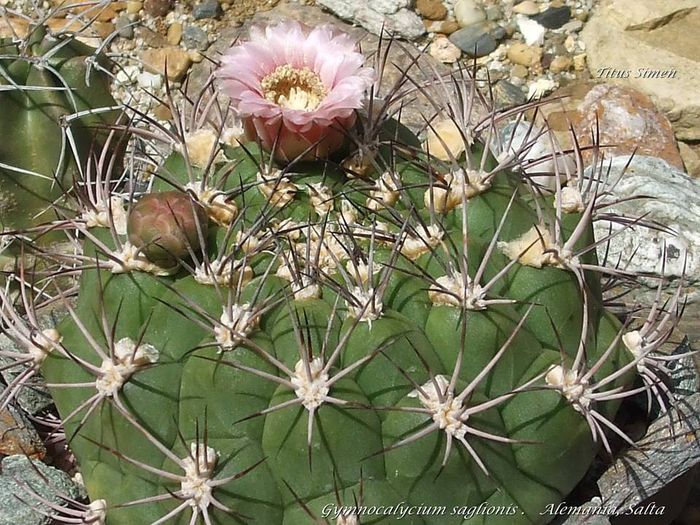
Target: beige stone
524, 55
560, 63
174, 33
445, 27
177, 60
133, 7
431, 9
444, 137
651, 46
580, 62
519, 71
651, 14
690, 153
445, 51
528, 7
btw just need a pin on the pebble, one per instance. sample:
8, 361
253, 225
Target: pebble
174, 33
432, 9
18, 436
445, 27
524, 55
157, 8
468, 13
541, 87
162, 112
474, 40
207, 9
124, 27
194, 37
508, 94
528, 7
554, 17
493, 13
560, 63
580, 62
444, 140
532, 32
519, 71
445, 51
178, 61
149, 81
133, 7
574, 26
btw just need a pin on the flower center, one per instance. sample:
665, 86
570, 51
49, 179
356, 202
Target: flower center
294, 88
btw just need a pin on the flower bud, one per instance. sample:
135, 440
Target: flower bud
166, 226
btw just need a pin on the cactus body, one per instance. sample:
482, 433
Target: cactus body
45, 80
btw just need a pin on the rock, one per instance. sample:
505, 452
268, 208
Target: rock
445, 27
443, 50
18, 436
150, 38
493, 13
124, 27
18, 473
519, 71
524, 55
468, 13
508, 94
668, 450
628, 121
133, 7
432, 9
574, 26
207, 9
691, 158
393, 15
162, 112
554, 17
157, 8
532, 32
675, 203
474, 40
444, 139
176, 59
561, 63
174, 33
651, 46
194, 37
528, 7
149, 81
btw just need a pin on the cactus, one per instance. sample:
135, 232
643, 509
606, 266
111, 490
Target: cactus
55, 98
283, 342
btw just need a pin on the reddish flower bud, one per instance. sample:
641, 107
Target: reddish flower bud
166, 226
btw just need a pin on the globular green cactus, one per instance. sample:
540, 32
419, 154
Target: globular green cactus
56, 103
284, 344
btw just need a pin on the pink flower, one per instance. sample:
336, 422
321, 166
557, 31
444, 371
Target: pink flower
296, 87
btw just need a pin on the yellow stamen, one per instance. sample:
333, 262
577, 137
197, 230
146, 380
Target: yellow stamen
294, 88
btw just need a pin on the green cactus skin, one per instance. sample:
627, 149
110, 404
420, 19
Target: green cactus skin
36, 153
240, 391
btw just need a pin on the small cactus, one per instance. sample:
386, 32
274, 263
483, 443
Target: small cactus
261, 337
